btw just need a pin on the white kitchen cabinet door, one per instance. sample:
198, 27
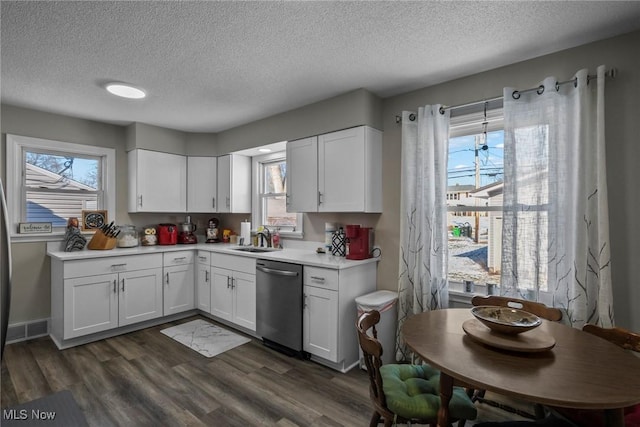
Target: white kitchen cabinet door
178, 289
157, 181
90, 305
203, 288
350, 170
302, 175
244, 310
140, 296
202, 184
234, 184
221, 293
320, 331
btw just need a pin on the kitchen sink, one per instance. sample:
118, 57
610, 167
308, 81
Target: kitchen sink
254, 249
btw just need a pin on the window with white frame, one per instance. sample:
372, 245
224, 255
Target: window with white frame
474, 197
270, 209
51, 181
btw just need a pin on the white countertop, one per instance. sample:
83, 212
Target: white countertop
297, 256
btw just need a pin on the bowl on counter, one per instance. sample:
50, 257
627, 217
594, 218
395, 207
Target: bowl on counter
506, 320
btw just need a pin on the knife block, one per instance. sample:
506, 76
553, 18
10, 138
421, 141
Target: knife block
100, 241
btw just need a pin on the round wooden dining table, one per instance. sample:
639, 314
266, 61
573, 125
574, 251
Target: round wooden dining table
580, 371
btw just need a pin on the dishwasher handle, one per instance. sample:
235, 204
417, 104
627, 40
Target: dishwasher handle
277, 272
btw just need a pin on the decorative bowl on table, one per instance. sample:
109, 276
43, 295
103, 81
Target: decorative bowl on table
506, 320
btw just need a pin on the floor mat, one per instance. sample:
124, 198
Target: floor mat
56, 410
204, 337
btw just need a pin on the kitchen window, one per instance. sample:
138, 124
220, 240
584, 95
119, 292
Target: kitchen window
50, 181
270, 209
474, 198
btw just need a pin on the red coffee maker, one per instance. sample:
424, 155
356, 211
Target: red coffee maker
359, 242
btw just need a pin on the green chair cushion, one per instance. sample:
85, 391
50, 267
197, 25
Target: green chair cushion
413, 392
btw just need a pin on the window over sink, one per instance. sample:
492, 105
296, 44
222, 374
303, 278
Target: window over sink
270, 196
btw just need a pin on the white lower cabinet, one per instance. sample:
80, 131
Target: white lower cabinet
178, 282
233, 289
320, 333
90, 296
203, 281
330, 312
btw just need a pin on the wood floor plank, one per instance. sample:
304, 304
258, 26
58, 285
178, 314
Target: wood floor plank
92, 407
150, 395
97, 379
28, 381
8, 396
178, 391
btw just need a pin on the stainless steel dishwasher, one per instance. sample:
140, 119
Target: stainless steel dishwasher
279, 305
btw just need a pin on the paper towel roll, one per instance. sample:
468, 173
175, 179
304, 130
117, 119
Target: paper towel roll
245, 232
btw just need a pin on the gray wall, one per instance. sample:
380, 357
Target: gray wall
623, 151
31, 285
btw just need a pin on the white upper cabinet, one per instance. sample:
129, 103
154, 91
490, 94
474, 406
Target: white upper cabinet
157, 181
344, 174
202, 184
302, 174
234, 184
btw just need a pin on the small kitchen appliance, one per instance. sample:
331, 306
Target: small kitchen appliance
212, 231
167, 234
187, 229
359, 242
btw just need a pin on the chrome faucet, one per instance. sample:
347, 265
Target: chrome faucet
265, 234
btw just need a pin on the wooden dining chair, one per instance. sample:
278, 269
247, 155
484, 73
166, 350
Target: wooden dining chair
594, 418
405, 393
537, 308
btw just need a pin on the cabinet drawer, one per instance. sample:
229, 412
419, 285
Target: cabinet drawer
177, 258
95, 266
203, 257
320, 277
233, 262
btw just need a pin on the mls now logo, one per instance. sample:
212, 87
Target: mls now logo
23, 414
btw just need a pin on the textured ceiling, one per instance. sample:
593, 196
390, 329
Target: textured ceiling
210, 66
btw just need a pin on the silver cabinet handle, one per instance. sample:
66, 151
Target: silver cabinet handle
118, 266
304, 301
141, 200
288, 199
276, 272
320, 279
115, 286
319, 198
214, 202
228, 201
167, 278
232, 283
206, 276
202, 258
122, 285
182, 258
228, 282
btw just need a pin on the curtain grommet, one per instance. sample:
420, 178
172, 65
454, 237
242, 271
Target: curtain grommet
515, 94
540, 90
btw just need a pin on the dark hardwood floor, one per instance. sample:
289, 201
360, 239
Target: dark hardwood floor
145, 378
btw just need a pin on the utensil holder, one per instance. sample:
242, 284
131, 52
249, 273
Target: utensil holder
101, 242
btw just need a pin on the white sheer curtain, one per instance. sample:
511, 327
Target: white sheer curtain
555, 242
422, 282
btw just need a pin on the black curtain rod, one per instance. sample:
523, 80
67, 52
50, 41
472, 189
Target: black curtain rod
540, 90
516, 94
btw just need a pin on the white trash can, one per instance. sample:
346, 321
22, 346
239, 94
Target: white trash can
386, 303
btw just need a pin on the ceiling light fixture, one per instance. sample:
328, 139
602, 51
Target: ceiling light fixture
125, 91
264, 150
